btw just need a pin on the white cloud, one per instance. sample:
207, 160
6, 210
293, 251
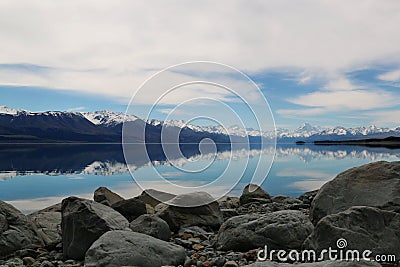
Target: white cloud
301, 112
76, 109
341, 83
127, 41
391, 76
347, 100
386, 117
304, 80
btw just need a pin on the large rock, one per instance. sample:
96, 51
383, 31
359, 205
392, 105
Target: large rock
127, 248
130, 208
154, 197
277, 230
83, 222
16, 231
106, 197
361, 263
48, 224
152, 225
376, 184
364, 228
176, 216
254, 193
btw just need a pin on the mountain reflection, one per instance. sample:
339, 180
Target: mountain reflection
108, 159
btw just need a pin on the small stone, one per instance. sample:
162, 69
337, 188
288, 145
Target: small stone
41, 250
208, 263
197, 247
195, 240
28, 260
231, 264
219, 262
183, 243
46, 264
185, 236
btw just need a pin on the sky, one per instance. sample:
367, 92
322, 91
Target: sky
325, 62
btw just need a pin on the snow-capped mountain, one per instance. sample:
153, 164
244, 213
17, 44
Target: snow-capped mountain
81, 126
7, 110
305, 132
15, 112
108, 118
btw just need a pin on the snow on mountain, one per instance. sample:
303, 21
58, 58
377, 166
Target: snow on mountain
15, 112
306, 131
7, 110
107, 118
343, 132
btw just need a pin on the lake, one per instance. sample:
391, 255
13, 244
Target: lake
36, 176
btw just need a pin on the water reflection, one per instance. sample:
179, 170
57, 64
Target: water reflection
33, 177
106, 160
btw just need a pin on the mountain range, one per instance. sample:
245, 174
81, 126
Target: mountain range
106, 126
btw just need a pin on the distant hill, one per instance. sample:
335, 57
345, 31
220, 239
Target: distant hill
21, 126
389, 142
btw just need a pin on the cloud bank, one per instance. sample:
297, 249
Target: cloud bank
110, 47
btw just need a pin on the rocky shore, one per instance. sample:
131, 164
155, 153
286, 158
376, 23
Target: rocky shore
360, 205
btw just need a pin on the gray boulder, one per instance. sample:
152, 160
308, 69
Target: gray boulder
83, 222
154, 197
48, 223
106, 197
152, 225
254, 193
176, 216
364, 228
376, 184
127, 248
278, 230
318, 264
16, 230
130, 208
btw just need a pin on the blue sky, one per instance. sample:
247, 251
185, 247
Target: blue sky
342, 70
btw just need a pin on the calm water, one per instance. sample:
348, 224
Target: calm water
34, 177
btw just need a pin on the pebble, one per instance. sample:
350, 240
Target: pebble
46, 264
231, 264
28, 260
